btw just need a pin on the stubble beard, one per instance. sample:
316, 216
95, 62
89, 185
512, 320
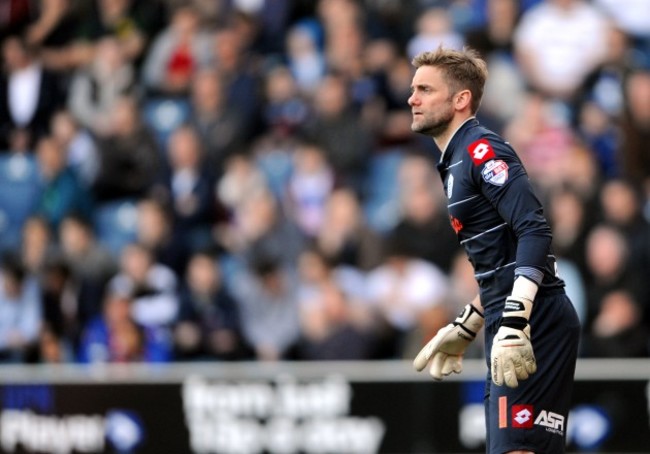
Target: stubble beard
434, 127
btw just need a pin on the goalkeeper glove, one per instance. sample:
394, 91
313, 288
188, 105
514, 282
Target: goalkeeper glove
512, 352
445, 350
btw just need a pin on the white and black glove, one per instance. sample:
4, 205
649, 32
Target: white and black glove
445, 350
512, 353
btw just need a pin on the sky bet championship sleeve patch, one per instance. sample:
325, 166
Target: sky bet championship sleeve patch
495, 172
480, 151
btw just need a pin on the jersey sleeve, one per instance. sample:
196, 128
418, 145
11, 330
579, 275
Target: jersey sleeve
501, 178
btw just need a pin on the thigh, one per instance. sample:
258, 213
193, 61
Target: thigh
534, 415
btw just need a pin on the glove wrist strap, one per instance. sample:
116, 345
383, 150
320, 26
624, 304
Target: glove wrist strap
470, 320
519, 304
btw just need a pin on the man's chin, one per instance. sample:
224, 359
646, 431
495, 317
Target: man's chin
433, 132
417, 128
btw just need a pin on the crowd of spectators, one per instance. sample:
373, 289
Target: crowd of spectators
192, 180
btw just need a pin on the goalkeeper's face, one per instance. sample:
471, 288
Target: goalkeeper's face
431, 102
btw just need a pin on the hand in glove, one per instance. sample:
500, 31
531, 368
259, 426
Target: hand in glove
445, 350
512, 352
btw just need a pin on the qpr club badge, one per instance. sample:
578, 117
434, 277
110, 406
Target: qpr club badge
495, 172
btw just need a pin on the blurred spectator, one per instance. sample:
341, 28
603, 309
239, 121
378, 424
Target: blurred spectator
133, 22
600, 103
188, 188
89, 264
270, 230
337, 128
636, 127
334, 310
97, 87
62, 315
20, 188
411, 294
242, 179
387, 85
618, 330
114, 337
158, 231
398, 75
259, 226
285, 107
130, 160
29, 93
604, 85
209, 325
344, 237
304, 55
570, 222
343, 23
153, 287
54, 26
434, 28
494, 38
238, 68
620, 202
284, 112
14, 17
79, 145
52, 349
37, 244
266, 291
219, 124
383, 103
20, 311
213, 13
559, 42
392, 20
543, 138
176, 53
63, 193
335, 328
272, 155
609, 268
309, 188
633, 17
269, 20
602, 136
316, 271
423, 227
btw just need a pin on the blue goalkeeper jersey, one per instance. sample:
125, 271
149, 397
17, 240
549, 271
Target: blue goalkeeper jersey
496, 215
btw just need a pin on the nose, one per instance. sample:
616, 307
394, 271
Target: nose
412, 100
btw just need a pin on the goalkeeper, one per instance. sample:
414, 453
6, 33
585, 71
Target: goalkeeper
531, 327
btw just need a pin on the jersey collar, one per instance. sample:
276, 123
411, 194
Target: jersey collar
443, 149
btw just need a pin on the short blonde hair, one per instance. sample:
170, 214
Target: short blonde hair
462, 69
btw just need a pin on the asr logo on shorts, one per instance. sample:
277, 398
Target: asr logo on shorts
553, 422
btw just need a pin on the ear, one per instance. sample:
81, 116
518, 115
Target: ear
463, 100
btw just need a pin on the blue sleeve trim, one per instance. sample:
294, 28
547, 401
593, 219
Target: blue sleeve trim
531, 273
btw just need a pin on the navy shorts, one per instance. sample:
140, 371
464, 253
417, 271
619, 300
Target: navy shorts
534, 415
